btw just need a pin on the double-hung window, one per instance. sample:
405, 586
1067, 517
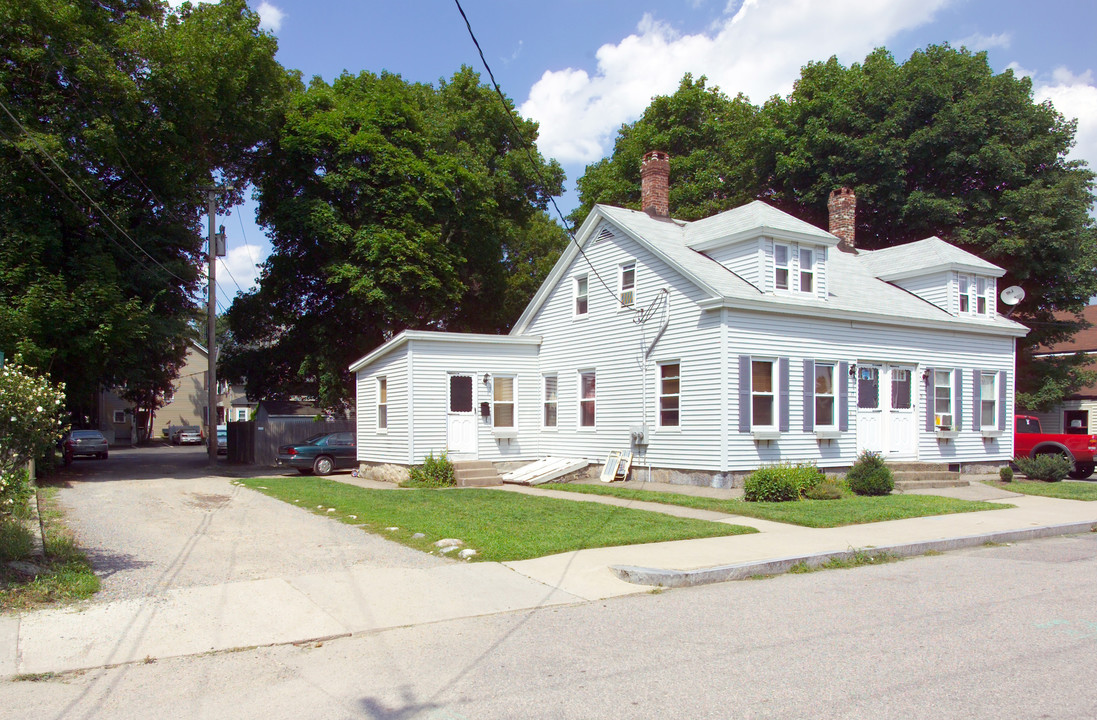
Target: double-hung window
763, 400
580, 296
807, 271
780, 267
627, 284
502, 398
965, 293
382, 403
551, 401
586, 398
942, 399
981, 295
825, 416
670, 393
988, 401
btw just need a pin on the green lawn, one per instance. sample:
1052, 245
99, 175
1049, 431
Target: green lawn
850, 510
499, 525
1062, 490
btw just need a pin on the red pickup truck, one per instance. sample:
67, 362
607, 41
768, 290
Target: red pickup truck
1030, 441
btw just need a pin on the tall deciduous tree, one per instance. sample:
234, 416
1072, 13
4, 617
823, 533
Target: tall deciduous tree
390, 205
115, 114
937, 145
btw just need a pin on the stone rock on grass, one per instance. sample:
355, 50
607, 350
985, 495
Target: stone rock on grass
466, 553
449, 542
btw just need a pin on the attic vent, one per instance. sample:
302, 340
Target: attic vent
604, 234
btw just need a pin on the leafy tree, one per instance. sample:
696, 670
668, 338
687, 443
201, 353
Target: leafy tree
390, 205
115, 113
32, 419
937, 145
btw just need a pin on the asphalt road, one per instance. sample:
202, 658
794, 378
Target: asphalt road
992, 632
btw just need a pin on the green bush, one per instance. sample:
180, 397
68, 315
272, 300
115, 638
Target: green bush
870, 475
1005, 474
1049, 467
433, 473
826, 490
781, 482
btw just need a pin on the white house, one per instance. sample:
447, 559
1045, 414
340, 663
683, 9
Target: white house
709, 348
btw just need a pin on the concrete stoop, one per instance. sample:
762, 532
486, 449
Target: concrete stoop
914, 476
476, 473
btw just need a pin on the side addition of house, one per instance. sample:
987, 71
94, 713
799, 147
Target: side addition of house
709, 348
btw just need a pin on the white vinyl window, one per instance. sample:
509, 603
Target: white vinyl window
627, 284
382, 403
965, 293
119, 416
551, 401
780, 266
502, 399
763, 399
988, 400
586, 398
581, 296
981, 295
807, 271
241, 414
942, 399
670, 394
825, 416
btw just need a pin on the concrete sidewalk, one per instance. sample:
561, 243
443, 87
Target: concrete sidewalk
308, 608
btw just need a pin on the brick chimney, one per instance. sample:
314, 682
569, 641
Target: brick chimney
655, 184
842, 206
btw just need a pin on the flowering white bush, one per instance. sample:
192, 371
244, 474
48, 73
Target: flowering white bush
32, 419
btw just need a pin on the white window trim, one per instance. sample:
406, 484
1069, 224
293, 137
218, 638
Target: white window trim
962, 294
621, 289
116, 414
787, 267
545, 402
241, 414
378, 382
800, 271
579, 401
575, 296
937, 425
773, 394
513, 403
833, 395
993, 375
660, 395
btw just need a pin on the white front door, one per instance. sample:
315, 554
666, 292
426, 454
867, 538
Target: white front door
461, 426
885, 410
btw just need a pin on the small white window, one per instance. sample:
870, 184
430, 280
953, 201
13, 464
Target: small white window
780, 267
119, 416
241, 414
627, 284
762, 396
807, 271
670, 393
502, 397
382, 403
988, 401
965, 293
551, 401
981, 295
942, 399
824, 396
586, 398
581, 295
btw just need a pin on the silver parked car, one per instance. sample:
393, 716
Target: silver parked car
85, 442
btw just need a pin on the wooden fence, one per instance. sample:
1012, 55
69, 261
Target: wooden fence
254, 444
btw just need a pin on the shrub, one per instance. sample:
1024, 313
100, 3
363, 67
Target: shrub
870, 475
826, 490
782, 482
1049, 467
434, 472
1005, 474
32, 418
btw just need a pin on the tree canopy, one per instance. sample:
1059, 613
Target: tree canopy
390, 205
937, 145
115, 114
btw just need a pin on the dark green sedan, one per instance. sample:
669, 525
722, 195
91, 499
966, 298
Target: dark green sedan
321, 453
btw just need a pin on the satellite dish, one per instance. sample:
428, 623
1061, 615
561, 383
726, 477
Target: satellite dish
1012, 295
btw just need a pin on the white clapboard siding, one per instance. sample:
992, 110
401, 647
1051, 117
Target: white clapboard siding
744, 258
933, 288
384, 445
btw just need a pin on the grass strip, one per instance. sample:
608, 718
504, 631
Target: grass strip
66, 575
500, 526
849, 510
1061, 490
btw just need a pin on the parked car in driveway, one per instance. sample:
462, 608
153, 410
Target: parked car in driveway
222, 440
85, 442
320, 454
187, 435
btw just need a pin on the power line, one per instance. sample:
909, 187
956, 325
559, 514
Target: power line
529, 153
245, 236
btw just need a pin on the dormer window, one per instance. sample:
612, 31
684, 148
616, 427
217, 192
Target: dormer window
780, 266
981, 297
807, 271
965, 298
975, 293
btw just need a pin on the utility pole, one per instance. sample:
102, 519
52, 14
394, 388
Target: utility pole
211, 317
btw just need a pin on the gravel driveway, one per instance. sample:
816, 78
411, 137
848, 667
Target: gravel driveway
152, 520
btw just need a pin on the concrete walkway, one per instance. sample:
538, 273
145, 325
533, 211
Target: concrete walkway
311, 607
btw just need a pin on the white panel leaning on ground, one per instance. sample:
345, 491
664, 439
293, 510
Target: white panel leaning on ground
710, 348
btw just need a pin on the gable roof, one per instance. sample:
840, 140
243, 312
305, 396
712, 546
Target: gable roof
854, 291
924, 257
439, 336
1085, 340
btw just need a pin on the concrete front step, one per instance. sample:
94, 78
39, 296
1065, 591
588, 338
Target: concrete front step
928, 484
476, 473
898, 467
927, 475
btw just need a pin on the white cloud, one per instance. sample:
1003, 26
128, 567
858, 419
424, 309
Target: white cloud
978, 41
758, 49
240, 261
1075, 96
270, 16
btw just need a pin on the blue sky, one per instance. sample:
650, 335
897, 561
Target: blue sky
581, 69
